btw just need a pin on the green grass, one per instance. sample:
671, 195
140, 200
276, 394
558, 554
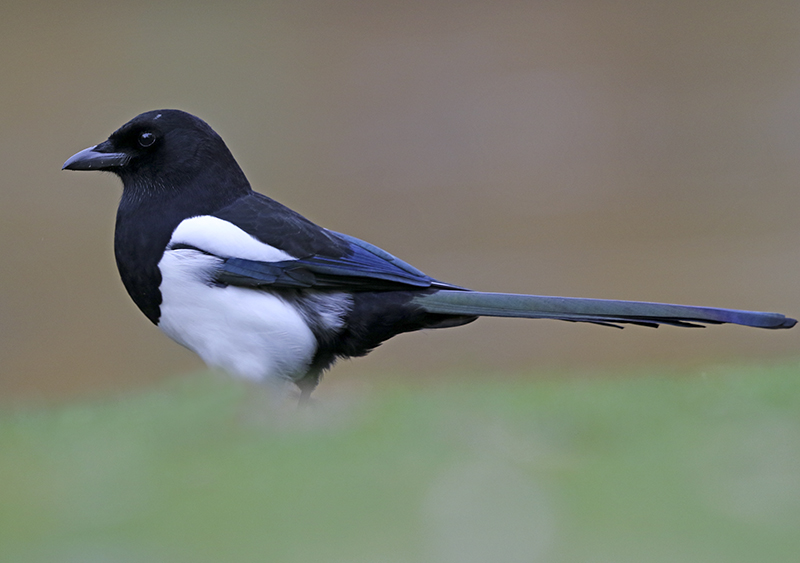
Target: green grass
650, 467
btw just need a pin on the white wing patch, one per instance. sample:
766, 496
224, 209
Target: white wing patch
254, 334
224, 239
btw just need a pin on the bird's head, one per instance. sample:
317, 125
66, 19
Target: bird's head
165, 152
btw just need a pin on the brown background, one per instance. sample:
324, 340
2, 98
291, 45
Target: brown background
638, 150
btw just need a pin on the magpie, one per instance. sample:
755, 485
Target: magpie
260, 291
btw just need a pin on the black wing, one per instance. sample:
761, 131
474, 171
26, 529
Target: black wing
363, 268
278, 226
325, 259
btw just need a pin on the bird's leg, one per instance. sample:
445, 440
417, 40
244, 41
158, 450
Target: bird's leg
307, 385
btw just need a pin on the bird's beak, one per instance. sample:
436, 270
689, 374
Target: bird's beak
94, 158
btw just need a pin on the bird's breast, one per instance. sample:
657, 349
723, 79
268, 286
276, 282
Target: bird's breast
252, 334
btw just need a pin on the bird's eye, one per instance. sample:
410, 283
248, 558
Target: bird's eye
146, 139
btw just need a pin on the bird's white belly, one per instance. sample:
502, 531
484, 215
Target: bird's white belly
249, 333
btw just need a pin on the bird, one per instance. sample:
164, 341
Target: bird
258, 290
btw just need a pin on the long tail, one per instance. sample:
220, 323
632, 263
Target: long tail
599, 311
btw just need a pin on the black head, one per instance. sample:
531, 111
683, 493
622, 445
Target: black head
166, 152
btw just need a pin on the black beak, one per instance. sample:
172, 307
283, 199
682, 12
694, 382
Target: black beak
94, 159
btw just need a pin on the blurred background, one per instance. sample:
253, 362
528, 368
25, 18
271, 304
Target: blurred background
611, 149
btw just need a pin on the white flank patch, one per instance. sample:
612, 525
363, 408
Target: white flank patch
224, 239
248, 333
